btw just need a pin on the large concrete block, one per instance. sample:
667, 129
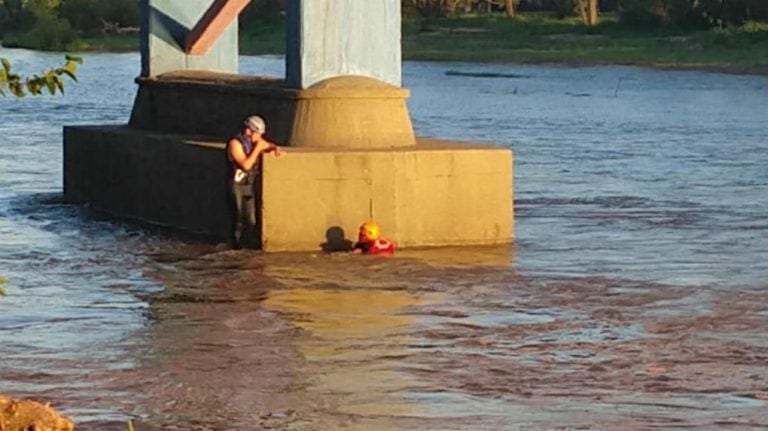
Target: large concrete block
435, 193
163, 179
430, 194
348, 111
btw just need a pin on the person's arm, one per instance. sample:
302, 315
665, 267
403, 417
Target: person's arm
360, 247
237, 154
272, 148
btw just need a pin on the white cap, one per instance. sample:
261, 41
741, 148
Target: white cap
255, 123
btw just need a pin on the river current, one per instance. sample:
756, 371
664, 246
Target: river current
635, 296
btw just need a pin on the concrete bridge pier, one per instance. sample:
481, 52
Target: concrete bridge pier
341, 111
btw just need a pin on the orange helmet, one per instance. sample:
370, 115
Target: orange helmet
369, 231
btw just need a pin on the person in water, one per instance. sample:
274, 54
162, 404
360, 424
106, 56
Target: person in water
369, 241
244, 152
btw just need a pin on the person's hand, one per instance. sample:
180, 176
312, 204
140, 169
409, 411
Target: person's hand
263, 146
277, 150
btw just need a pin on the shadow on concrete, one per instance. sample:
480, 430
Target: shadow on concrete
336, 241
175, 32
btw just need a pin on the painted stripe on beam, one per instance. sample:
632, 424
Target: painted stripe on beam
213, 23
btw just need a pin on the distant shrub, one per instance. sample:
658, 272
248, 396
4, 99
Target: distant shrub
435, 8
692, 13
733, 12
262, 10
95, 17
49, 32
653, 13
755, 27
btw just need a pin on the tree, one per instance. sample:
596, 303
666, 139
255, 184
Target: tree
588, 10
52, 80
511, 7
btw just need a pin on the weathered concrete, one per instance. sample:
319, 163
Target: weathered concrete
328, 38
350, 111
432, 193
167, 179
165, 26
212, 25
341, 108
212, 104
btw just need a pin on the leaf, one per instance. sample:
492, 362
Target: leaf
74, 59
3, 292
59, 83
15, 89
70, 74
50, 82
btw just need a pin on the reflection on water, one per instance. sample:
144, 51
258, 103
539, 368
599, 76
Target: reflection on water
634, 297
346, 360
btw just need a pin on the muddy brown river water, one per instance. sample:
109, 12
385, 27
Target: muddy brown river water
635, 296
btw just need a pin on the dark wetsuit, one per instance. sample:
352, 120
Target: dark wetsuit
245, 191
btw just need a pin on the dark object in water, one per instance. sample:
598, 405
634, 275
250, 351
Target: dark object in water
485, 74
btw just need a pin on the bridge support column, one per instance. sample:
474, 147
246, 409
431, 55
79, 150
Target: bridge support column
341, 111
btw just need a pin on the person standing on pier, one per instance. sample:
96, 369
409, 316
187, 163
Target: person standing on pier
244, 152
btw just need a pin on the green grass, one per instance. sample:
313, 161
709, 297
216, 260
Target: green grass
262, 38
112, 43
538, 38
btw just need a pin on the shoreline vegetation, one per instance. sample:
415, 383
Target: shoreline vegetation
533, 38
537, 38
528, 38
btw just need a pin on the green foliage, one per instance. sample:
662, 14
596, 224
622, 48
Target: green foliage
563, 8
56, 25
95, 17
692, 13
538, 37
48, 32
2, 282
259, 12
51, 80
724, 13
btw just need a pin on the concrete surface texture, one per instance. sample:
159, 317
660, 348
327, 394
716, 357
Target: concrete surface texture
352, 155
328, 38
352, 112
348, 111
164, 28
429, 194
433, 193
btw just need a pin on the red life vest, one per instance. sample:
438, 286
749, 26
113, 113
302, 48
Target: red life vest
381, 246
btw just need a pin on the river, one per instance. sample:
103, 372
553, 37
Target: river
635, 296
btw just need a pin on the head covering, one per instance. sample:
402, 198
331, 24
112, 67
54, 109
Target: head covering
255, 123
369, 231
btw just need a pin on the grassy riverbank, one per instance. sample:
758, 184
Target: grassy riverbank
535, 38
540, 40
